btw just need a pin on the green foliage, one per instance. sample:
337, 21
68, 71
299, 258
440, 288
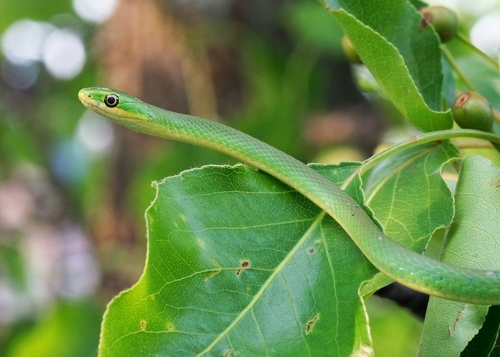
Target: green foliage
238, 264
388, 320
70, 329
283, 269
35, 10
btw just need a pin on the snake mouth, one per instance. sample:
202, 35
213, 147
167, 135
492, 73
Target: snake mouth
86, 98
82, 96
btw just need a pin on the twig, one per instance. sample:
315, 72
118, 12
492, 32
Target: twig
457, 69
466, 42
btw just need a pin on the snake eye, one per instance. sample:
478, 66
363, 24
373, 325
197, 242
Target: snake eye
111, 100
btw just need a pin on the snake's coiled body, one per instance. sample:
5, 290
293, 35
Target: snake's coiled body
397, 262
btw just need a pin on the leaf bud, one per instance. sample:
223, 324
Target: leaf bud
444, 20
473, 111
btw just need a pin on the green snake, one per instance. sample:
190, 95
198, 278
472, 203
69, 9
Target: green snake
401, 264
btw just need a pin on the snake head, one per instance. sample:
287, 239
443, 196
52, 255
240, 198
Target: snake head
115, 105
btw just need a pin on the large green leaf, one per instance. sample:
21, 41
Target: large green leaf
404, 57
240, 264
472, 242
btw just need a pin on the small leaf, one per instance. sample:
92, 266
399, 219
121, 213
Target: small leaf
472, 242
409, 197
403, 56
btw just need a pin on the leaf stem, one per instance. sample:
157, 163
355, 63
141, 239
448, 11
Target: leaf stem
474, 144
456, 68
419, 140
467, 42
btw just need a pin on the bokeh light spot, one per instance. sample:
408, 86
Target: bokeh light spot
94, 11
485, 34
64, 54
23, 41
20, 76
95, 133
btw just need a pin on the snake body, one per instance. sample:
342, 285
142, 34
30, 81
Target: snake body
392, 259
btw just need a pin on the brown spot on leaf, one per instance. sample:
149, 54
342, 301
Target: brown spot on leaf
143, 325
310, 324
212, 274
310, 250
451, 330
245, 264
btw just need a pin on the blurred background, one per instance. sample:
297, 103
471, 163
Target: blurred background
74, 187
